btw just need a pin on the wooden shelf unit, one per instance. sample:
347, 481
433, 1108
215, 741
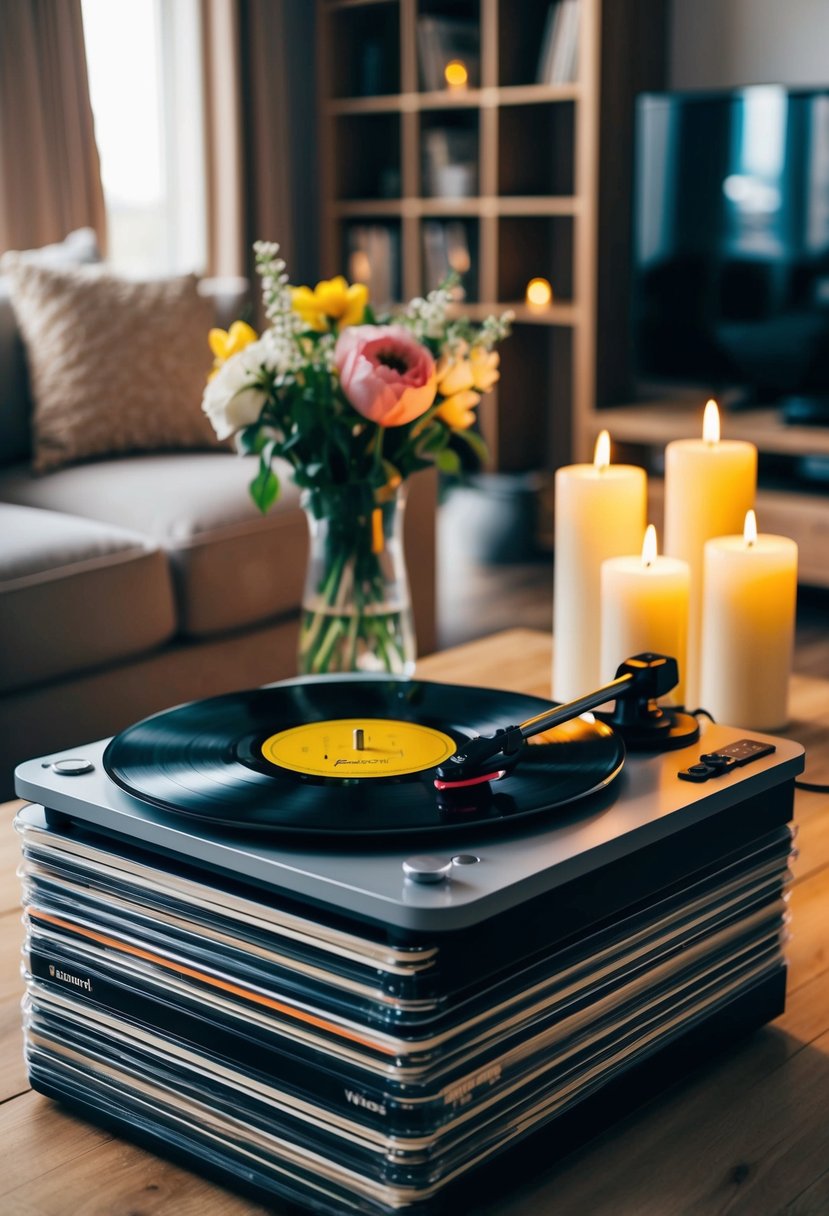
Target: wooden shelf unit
534, 211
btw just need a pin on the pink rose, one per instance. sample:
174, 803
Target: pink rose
385, 374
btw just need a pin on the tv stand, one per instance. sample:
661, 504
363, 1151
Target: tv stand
805, 411
787, 502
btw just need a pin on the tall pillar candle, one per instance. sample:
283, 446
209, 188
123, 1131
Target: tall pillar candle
710, 483
600, 512
644, 608
748, 628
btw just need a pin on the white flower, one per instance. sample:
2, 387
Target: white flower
232, 399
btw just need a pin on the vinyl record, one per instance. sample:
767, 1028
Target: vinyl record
342, 756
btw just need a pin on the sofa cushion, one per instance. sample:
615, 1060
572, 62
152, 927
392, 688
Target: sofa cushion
76, 595
232, 566
115, 365
79, 248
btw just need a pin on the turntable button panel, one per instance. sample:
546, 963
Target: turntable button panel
745, 750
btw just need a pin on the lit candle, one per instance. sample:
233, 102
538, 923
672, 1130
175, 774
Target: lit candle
600, 511
710, 483
539, 294
455, 74
748, 628
645, 608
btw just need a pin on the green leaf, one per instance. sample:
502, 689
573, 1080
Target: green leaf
369, 317
264, 489
291, 442
251, 439
448, 461
474, 441
432, 441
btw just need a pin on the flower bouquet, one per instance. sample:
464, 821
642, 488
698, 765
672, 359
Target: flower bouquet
354, 404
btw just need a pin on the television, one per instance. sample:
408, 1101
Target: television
731, 245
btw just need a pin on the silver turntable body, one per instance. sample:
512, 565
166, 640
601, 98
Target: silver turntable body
447, 886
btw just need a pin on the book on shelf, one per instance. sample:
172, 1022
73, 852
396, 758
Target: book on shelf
446, 248
558, 58
450, 166
373, 254
442, 40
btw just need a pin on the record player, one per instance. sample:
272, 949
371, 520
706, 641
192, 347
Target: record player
346, 940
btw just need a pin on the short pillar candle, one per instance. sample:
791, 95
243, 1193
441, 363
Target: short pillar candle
600, 512
748, 628
645, 608
710, 483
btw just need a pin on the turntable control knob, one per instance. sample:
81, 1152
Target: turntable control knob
73, 767
427, 868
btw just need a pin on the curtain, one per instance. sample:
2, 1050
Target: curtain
50, 178
260, 114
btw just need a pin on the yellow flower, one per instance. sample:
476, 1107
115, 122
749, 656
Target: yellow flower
454, 373
331, 300
484, 364
225, 343
457, 411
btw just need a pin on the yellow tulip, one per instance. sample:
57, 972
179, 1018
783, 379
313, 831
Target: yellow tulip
484, 364
225, 343
304, 302
331, 300
454, 375
457, 411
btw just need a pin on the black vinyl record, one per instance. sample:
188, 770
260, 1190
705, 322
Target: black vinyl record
205, 760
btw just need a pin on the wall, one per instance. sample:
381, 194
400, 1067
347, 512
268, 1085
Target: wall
721, 43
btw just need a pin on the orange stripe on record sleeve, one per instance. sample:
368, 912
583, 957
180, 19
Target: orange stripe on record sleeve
212, 980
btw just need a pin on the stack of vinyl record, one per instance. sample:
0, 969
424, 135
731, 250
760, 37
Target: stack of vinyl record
351, 1067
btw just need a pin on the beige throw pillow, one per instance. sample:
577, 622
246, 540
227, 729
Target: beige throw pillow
115, 366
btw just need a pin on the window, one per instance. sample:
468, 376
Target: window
145, 81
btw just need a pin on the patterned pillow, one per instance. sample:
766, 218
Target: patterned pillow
115, 365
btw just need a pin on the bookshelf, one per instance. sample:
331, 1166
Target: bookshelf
519, 198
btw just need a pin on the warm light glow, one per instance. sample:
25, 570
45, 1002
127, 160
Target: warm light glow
456, 74
359, 267
649, 546
601, 455
539, 293
711, 423
750, 529
459, 259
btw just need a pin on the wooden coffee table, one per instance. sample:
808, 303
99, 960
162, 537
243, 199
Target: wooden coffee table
748, 1135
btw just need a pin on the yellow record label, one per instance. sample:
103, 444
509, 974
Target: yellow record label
359, 747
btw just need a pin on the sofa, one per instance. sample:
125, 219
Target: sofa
133, 583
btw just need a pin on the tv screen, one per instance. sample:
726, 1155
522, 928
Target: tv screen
731, 241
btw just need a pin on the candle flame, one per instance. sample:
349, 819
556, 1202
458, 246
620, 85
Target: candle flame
456, 74
539, 292
601, 455
750, 529
649, 546
711, 423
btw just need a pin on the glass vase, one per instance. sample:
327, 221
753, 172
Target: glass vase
356, 609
